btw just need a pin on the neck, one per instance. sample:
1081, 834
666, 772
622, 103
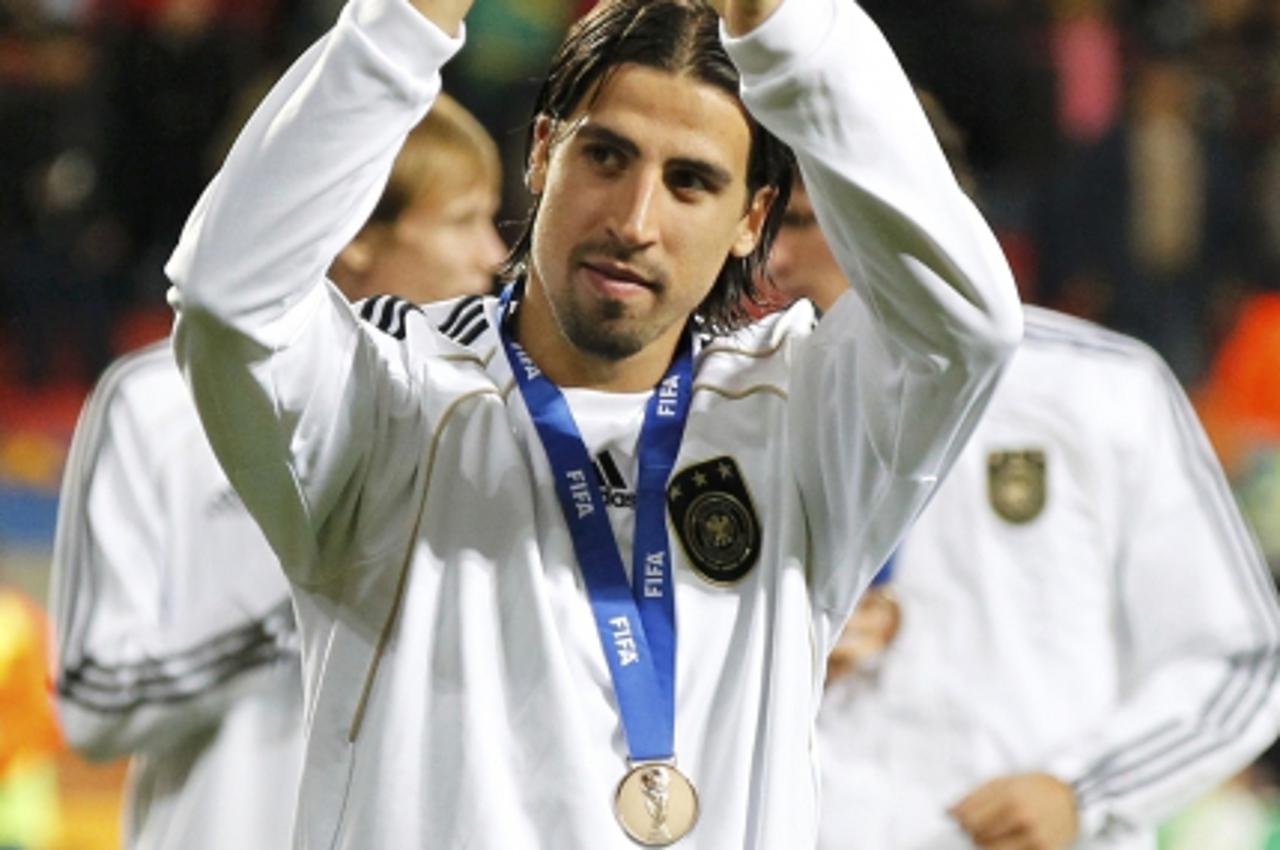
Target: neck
566, 365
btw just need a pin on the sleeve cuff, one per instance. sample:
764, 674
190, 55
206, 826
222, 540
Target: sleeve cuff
793, 32
404, 35
1091, 819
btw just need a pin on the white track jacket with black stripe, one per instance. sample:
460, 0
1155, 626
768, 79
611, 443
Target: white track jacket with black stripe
457, 693
1081, 597
176, 639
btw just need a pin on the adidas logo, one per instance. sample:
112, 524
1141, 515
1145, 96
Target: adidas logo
617, 493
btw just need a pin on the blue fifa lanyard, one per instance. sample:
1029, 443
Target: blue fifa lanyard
884, 575
636, 622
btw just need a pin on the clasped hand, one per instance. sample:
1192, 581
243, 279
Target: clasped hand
740, 16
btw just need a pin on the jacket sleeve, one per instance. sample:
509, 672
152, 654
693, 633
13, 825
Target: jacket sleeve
888, 388
294, 392
136, 668
1198, 633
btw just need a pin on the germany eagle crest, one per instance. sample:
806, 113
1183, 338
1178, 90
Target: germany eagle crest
715, 519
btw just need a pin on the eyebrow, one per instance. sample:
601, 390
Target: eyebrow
715, 175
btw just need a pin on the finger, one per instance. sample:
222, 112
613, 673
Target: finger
982, 799
1011, 842
839, 664
1000, 826
984, 816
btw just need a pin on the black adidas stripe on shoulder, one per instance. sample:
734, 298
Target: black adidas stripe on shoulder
466, 321
388, 313
477, 328
455, 315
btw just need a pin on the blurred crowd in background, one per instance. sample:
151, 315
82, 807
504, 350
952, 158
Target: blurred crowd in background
1128, 153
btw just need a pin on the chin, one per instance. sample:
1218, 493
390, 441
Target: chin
606, 344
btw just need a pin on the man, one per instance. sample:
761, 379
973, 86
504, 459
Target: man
177, 637
1088, 639
481, 671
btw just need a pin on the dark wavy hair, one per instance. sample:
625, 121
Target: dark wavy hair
680, 37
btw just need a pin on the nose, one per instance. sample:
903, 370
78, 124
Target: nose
635, 220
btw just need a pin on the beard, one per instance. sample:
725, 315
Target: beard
604, 328
607, 334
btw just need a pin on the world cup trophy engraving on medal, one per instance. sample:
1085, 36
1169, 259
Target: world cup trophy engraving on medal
656, 804
655, 784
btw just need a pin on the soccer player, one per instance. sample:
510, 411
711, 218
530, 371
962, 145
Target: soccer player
1086, 638
177, 638
492, 653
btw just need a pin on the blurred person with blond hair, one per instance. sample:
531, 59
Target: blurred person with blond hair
178, 641
1083, 636
431, 236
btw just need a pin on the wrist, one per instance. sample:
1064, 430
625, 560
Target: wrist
743, 18
445, 14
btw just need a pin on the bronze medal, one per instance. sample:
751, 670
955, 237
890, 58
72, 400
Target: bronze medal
656, 804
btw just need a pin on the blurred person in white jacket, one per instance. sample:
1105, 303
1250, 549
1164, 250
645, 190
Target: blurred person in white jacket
177, 642
1081, 634
488, 631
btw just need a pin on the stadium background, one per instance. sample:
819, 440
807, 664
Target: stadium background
1128, 153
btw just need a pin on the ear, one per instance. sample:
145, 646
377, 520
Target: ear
357, 257
540, 157
752, 223
352, 264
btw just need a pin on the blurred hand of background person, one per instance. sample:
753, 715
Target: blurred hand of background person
867, 635
1032, 811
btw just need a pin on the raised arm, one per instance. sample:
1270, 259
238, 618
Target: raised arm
294, 394
890, 385
153, 646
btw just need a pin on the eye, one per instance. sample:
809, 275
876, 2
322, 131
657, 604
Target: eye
688, 182
606, 157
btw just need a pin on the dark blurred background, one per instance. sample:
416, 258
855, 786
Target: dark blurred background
1128, 153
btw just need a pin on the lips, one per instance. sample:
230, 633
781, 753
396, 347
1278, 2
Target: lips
616, 279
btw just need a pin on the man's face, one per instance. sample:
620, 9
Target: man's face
800, 261
442, 246
643, 197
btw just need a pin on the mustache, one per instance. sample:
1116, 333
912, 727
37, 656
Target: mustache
612, 251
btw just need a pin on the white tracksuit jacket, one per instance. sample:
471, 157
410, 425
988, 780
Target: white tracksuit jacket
176, 639
1123, 636
457, 694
